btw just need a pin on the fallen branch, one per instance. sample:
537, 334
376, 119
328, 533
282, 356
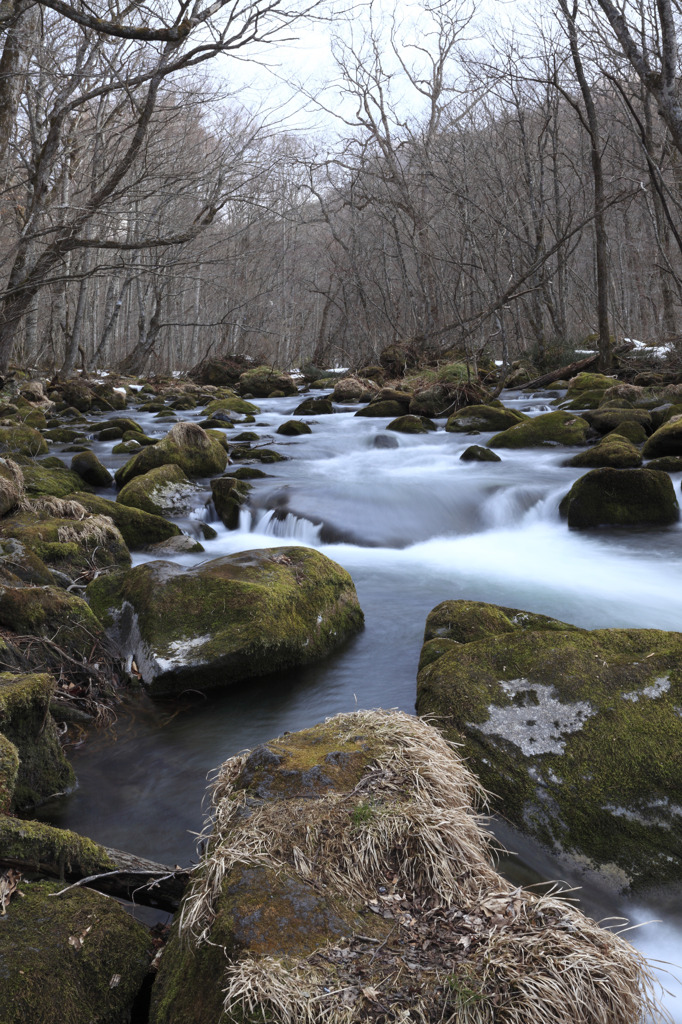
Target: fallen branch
564, 373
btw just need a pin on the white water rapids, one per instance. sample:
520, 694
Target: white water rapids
414, 526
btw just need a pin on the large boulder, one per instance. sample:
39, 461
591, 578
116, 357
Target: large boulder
353, 389
576, 732
346, 877
434, 401
26, 722
621, 497
549, 429
54, 480
667, 440
411, 425
604, 420
483, 417
613, 450
588, 382
229, 619
91, 470
162, 491
230, 404
388, 408
314, 407
186, 445
261, 381
76, 958
219, 371
138, 529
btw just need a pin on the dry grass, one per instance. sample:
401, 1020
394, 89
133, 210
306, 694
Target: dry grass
467, 946
49, 507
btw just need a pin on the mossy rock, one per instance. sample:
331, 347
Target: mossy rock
72, 546
483, 417
124, 424
63, 435
9, 769
293, 428
91, 470
162, 491
45, 480
77, 395
127, 448
265, 455
78, 958
314, 407
663, 413
583, 400
261, 381
26, 722
667, 440
247, 473
606, 419
476, 453
387, 408
352, 389
11, 485
139, 529
232, 403
321, 840
621, 497
667, 463
552, 428
409, 424
229, 494
22, 440
43, 849
613, 450
22, 563
433, 401
185, 445
575, 732
634, 432
588, 382
229, 619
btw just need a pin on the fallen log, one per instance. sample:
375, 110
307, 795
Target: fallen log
41, 850
564, 373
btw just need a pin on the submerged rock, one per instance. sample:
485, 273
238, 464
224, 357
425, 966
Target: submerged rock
229, 619
621, 497
346, 878
576, 732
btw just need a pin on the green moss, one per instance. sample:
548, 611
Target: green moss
551, 428
607, 419
39, 480
186, 445
22, 440
582, 400
230, 494
667, 440
138, 529
610, 794
233, 403
261, 381
386, 408
410, 424
26, 722
91, 470
621, 497
483, 417
588, 382
255, 613
42, 849
59, 957
293, 428
157, 492
9, 768
72, 545
613, 450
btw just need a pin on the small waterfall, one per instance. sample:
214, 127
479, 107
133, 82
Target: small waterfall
274, 523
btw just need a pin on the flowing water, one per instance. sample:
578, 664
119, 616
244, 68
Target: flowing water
414, 526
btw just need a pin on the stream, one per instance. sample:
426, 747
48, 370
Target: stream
414, 526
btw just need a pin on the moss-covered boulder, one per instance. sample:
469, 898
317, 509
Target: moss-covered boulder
667, 440
229, 619
582, 400
9, 769
91, 470
230, 494
336, 858
78, 958
22, 440
18, 561
588, 382
621, 497
353, 389
162, 491
634, 432
51, 480
606, 419
314, 407
70, 545
549, 429
668, 463
186, 445
293, 428
613, 450
387, 408
231, 404
476, 453
76, 394
11, 485
576, 732
434, 400
26, 722
261, 381
409, 424
122, 425
139, 529
483, 417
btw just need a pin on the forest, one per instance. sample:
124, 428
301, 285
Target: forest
502, 190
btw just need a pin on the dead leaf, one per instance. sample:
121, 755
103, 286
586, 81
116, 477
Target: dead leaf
77, 940
8, 885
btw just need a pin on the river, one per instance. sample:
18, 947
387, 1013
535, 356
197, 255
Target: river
414, 526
